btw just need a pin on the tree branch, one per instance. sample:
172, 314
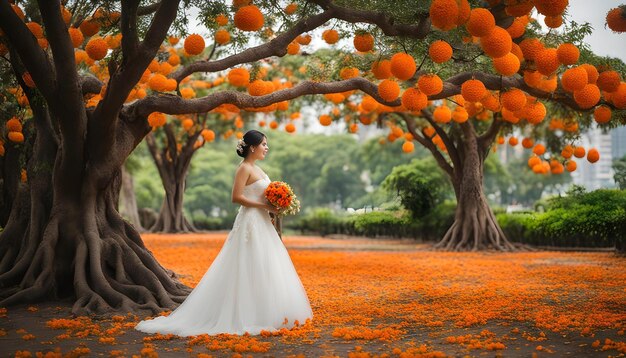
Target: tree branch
26, 45
171, 104
171, 142
485, 140
428, 144
380, 19
152, 147
67, 105
148, 9
123, 81
450, 146
161, 22
130, 41
90, 84
278, 46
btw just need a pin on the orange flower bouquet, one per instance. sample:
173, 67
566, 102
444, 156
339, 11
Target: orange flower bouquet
280, 195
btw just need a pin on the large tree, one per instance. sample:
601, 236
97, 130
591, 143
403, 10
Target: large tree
64, 235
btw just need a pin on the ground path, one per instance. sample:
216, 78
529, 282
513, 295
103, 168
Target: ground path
379, 297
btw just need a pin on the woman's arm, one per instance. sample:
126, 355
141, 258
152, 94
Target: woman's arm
241, 177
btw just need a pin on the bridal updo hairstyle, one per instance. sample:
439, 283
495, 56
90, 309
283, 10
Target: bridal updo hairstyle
251, 138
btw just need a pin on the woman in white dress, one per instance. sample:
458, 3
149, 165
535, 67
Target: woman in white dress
252, 284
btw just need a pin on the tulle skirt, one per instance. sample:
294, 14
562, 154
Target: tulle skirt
251, 286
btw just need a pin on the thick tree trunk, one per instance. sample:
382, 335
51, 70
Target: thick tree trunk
86, 250
55, 246
475, 226
171, 218
128, 202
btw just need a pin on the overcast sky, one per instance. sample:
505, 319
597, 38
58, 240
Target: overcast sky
603, 41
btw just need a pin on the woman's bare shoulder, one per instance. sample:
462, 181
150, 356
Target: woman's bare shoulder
244, 168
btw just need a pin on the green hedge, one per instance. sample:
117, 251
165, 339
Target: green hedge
378, 223
596, 219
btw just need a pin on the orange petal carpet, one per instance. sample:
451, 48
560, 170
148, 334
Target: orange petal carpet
374, 298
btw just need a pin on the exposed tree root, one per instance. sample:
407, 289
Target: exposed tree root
475, 228
109, 267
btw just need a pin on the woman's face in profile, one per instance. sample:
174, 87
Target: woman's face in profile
260, 151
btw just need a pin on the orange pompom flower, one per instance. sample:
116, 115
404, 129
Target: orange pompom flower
325, 120
551, 7
430, 84
442, 114
535, 112
616, 19
588, 96
609, 81
414, 100
389, 90
330, 36
14, 125
403, 66
348, 72
553, 22
574, 79
473, 90
602, 114
89, 28
481, 22
293, 48
497, 43
593, 155
547, 61
194, 44
249, 18
363, 42
408, 147
97, 48
76, 36
507, 65
239, 77
592, 72
36, 29
381, 69
222, 37
513, 100
159, 83
567, 54
16, 137
28, 80
440, 51
221, 20
443, 14
531, 47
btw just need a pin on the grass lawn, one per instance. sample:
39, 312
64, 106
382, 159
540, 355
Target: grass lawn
375, 298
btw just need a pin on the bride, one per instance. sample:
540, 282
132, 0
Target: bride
252, 284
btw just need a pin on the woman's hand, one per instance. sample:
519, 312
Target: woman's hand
272, 209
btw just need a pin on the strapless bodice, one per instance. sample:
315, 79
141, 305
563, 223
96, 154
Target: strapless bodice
256, 190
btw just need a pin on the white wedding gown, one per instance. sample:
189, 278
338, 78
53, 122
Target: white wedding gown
251, 285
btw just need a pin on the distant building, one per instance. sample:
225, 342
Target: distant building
618, 142
600, 174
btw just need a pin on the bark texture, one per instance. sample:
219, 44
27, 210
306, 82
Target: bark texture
128, 201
